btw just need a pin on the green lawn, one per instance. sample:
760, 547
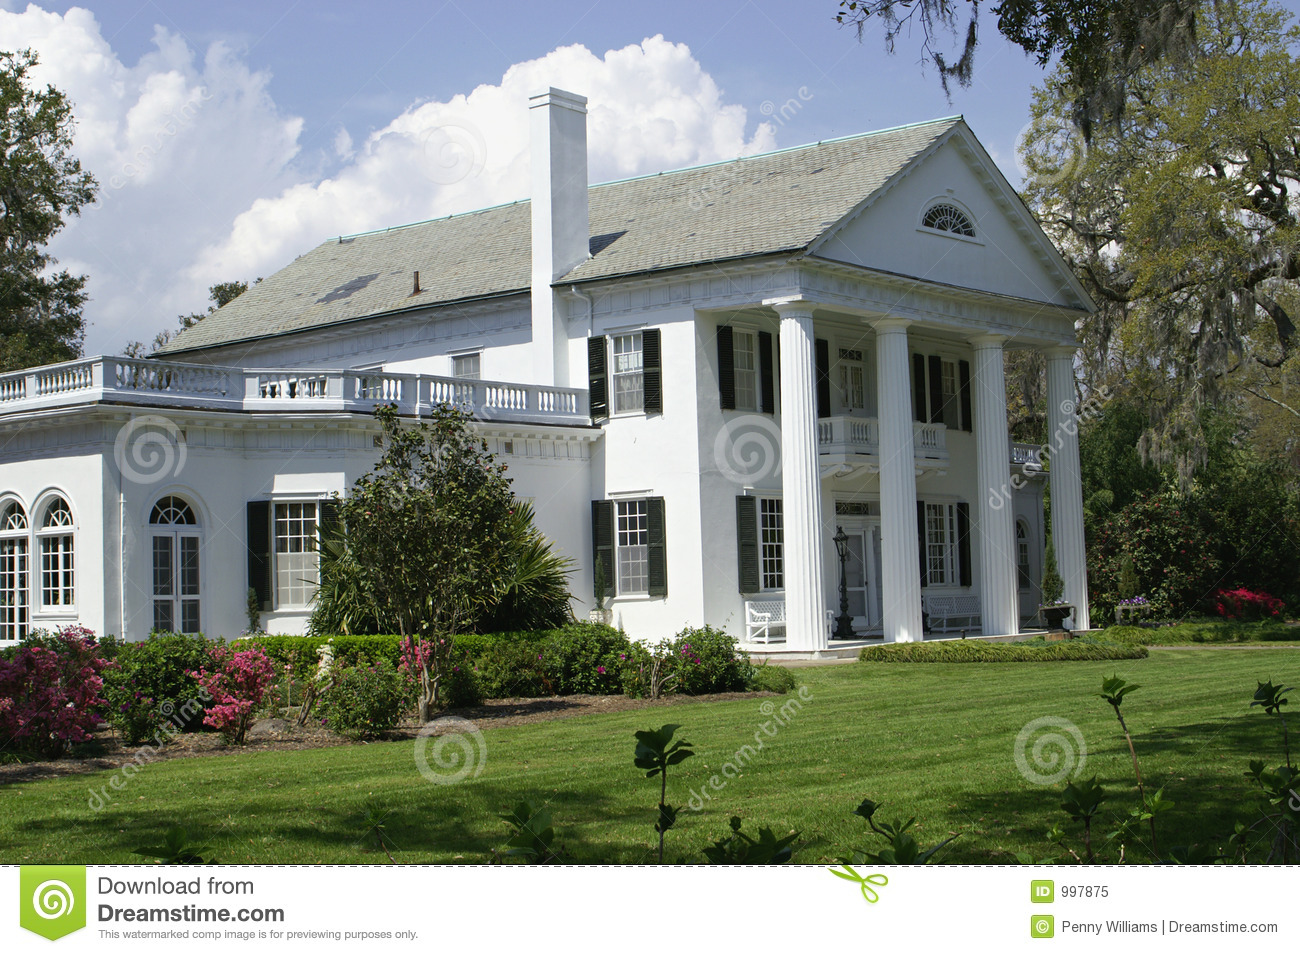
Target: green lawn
934, 741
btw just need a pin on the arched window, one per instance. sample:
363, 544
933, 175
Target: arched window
176, 543
14, 545
1022, 555
56, 540
948, 218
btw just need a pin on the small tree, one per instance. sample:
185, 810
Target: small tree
1128, 578
1052, 583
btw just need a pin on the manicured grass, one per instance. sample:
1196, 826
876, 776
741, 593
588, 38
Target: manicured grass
934, 741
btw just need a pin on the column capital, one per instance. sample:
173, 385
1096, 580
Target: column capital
1060, 351
979, 342
791, 306
891, 325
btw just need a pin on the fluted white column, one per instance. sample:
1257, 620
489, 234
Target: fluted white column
801, 487
1067, 484
900, 574
999, 602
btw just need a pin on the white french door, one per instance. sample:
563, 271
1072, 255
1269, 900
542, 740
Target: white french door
176, 582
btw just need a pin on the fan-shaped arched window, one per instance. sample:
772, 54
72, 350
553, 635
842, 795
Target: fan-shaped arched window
56, 540
14, 544
176, 544
948, 218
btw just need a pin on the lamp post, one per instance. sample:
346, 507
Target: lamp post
843, 625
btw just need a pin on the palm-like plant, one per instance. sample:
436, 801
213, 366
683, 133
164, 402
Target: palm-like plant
535, 594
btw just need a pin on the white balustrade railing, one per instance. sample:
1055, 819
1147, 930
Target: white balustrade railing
60, 379
929, 440
140, 374
13, 387
1027, 455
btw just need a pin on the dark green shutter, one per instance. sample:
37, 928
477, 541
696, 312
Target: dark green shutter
602, 540
963, 373
747, 543
259, 551
963, 543
652, 378
726, 368
823, 349
936, 389
597, 377
328, 515
920, 533
657, 555
918, 388
766, 381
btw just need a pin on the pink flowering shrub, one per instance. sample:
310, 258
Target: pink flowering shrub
51, 692
236, 683
1243, 604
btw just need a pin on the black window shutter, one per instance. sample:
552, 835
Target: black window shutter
963, 372
657, 551
602, 539
651, 377
259, 551
936, 389
918, 388
920, 532
327, 520
597, 377
963, 543
726, 368
823, 377
766, 381
747, 543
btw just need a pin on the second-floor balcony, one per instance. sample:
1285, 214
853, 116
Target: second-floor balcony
848, 437
144, 381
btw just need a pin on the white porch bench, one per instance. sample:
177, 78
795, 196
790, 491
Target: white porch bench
763, 616
950, 614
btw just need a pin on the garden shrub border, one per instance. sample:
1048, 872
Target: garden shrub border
978, 651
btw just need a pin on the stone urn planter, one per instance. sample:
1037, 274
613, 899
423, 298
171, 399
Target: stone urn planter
1054, 616
601, 616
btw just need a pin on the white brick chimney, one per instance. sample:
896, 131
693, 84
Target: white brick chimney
561, 234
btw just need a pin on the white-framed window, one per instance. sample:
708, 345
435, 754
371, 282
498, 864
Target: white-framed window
56, 543
771, 544
628, 376
632, 546
949, 384
945, 217
853, 380
467, 366
744, 345
1022, 555
949, 410
941, 544
176, 544
14, 582
297, 564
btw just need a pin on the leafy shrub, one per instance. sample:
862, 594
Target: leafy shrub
50, 692
364, 700
1244, 604
769, 678
584, 657
508, 669
236, 684
708, 660
1188, 634
976, 651
152, 685
460, 687
650, 671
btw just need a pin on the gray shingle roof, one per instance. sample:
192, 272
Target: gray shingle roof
759, 205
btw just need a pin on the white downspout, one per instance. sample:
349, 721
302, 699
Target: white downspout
121, 555
591, 319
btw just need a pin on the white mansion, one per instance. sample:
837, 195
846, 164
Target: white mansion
698, 377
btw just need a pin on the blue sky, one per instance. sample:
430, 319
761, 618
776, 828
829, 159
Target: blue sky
230, 137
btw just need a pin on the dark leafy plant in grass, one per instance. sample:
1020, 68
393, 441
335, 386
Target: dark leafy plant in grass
1113, 690
177, 849
1279, 788
901, 847
739, 849
532, 835
655, 754
374, 828
1081, 802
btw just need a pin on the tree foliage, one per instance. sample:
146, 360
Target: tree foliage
220, 294
41, 184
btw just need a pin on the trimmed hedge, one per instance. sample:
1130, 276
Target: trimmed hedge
1193, 634
978, 651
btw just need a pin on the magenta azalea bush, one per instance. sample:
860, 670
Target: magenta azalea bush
235, 686
1243, 604
51, 692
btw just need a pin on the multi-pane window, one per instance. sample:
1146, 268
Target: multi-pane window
467, 365
745, 367
1022, 555
175, 566
771, 544
632, 537
853, 387
628, 377
948, 218
941, 544
56, 542
951, 411
297, 569
13, 571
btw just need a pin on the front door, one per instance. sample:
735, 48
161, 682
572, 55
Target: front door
862, 575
